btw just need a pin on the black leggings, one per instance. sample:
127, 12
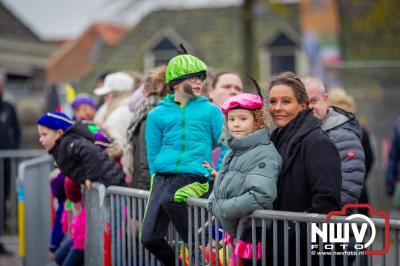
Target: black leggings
163, 208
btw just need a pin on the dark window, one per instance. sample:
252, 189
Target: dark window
281, 40
165, 44
163, 52
16, 82
282, 63
282, 51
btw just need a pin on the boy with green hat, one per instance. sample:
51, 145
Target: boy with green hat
180, 132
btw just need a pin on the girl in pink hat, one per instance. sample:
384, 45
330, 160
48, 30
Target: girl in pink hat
247, 179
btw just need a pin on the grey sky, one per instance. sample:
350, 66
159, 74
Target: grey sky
58, 19
53, 18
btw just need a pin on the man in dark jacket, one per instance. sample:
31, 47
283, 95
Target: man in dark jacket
10, 136
10, 133
71, 145
346, 133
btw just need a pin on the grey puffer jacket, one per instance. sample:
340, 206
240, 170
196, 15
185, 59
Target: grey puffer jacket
247, 179
345, 132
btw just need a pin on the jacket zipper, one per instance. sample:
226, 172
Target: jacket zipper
183, 138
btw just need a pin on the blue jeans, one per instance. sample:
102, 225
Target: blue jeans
66, 255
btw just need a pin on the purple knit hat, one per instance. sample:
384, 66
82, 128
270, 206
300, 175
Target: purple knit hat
101, 139
83, 98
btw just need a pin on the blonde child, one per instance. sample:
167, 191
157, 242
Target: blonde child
248, 176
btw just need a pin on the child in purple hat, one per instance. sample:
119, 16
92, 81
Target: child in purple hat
84, 107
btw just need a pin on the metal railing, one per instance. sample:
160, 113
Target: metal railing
284, 235
113, 228
34, 218
98, 217
9, 160
296, 219
114, 224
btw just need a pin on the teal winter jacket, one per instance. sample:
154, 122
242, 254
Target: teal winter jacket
180, 138
247, 180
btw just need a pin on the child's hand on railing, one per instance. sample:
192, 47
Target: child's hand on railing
212, 170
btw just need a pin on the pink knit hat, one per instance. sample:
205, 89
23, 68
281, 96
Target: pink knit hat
243, 101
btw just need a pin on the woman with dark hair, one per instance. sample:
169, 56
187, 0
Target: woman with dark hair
310, 180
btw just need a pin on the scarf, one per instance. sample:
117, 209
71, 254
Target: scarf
140, 114
281, 137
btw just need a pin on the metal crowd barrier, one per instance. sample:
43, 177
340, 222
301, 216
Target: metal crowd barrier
124, 209
98, 220
295, 219
34, 221
113, 228
9, 160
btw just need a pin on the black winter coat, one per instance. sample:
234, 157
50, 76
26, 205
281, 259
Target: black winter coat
10, 133
310, 181
79, 158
